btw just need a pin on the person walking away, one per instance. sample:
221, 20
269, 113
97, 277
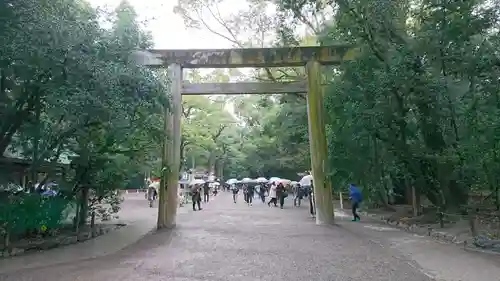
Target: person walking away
235, 192
356, 197
251, 193
272, 195
206, 192
196, 196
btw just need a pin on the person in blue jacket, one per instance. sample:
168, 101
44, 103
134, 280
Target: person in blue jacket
356, 197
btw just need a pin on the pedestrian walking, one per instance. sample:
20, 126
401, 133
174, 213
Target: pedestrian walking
250, 194
312, 201
245, 193
356, 197
235, 191
272, 195
262, 193
297, 194
206, 192
281, 194
151, 195
196, 196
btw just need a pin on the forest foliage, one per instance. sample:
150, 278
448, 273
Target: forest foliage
71, 97
418, 107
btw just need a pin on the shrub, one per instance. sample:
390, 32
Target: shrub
22, 214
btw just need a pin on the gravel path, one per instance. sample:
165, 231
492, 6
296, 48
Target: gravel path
227, 241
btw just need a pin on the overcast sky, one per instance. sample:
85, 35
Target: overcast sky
168, 28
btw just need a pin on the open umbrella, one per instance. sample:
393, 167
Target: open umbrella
284, 181
246, 180
261, 180
183, 181
197, 181
306, 180
274, 179
155, 185
232, 181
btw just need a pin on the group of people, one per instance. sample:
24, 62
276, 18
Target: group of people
249, 192
276, 191
199, 191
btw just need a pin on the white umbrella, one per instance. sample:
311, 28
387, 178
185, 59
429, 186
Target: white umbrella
285, 181
197, 181
246, 180
232, 181
306, 180
261, 180
273, 179
155, 185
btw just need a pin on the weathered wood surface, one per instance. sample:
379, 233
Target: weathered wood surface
318, 145
173, 181
250, 57
165, 154
168, 195
242, 88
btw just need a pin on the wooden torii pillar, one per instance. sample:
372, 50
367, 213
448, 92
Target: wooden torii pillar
310, 57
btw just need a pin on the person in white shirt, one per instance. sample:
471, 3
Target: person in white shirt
273, 195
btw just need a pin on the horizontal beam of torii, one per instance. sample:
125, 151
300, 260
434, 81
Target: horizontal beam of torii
246, 57
243, 88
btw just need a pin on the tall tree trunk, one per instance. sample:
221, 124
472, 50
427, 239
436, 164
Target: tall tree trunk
84, 205
36, 142
221, 170
211, 163
216, 167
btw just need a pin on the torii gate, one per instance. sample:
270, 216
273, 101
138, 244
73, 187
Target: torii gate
310, 57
